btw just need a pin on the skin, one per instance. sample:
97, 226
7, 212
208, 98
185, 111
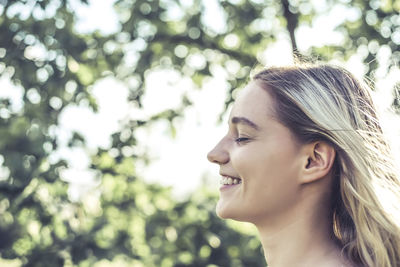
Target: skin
285, 185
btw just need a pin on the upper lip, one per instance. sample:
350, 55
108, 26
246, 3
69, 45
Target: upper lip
227, 175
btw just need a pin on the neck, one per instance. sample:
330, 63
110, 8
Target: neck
300, 238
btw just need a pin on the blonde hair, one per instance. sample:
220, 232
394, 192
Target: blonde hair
323, 102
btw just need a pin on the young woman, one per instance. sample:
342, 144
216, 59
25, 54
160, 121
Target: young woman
303, 160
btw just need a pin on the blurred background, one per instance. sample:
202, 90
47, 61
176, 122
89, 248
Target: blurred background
108, 108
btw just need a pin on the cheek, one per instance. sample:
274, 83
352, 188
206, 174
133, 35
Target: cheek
258, 160
268, 168
244, 159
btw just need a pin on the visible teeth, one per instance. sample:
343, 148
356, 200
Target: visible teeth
229, 180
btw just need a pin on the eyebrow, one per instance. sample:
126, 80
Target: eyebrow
245, 121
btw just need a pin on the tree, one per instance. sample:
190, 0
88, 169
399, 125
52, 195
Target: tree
125, 220
52, 66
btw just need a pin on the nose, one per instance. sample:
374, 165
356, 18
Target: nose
218, 154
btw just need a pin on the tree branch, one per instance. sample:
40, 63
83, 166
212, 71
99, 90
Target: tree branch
203, 43
292, 21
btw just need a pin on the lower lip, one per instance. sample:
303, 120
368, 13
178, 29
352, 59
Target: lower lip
228, 186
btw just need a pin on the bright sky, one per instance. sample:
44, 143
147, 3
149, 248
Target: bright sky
179, 162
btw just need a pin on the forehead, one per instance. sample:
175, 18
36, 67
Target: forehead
253, 102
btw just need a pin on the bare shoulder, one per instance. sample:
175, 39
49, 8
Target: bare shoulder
345, 264
340, 260
340, 263
355, 265
348, 263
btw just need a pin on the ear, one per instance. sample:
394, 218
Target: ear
318, 161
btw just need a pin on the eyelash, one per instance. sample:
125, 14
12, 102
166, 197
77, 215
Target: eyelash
241, 140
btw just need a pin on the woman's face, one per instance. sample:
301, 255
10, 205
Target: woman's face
263, 154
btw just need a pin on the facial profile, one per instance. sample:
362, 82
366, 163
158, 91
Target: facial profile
260, 158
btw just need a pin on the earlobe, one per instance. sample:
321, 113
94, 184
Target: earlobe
319, 161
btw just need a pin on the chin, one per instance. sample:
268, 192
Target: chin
226, 212
222, 215
223, 212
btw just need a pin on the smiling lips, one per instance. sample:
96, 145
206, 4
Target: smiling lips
227, 180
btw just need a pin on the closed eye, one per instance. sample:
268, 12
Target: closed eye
241, 140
